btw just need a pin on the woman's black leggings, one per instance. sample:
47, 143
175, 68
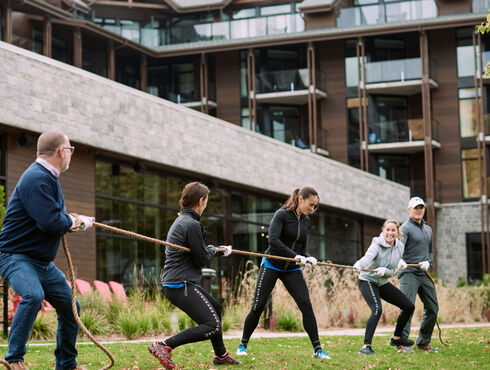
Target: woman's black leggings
373, 293
204, 310
296, 286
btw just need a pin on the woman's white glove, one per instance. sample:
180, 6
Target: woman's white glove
402, 265
87, 222
312, 261
300, 260
358, 267
227, 250
424, 265
381, 271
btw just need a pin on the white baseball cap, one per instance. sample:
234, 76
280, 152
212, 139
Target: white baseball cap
415, 201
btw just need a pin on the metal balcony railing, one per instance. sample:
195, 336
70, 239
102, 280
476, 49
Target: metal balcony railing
287, 80
400, 131
387, 13
397, 70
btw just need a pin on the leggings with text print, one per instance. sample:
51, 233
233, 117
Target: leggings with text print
296, 286
204, 310
373, 293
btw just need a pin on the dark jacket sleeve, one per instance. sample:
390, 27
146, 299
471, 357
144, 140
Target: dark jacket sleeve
275, 231
201, 253
42, 206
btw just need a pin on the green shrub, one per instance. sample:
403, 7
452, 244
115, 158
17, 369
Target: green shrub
44, 327
131, 324
184, 321
95, 322
288, 320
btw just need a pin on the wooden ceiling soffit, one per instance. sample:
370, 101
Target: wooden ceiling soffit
188, 6
45, 7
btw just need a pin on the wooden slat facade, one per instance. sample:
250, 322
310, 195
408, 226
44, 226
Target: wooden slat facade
333, 113
228, 87
78, 185
442, 49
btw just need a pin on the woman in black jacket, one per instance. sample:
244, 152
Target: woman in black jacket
288, 233
182, 273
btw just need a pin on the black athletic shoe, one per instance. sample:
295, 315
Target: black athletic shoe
401, 342
427, 348
366, 350
225, 360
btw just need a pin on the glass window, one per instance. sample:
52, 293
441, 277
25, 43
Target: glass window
471, 174
232, 216
275, 9
1, 24
466, 61
467, 112
60, 50
474, 257
130, 29
37, 41
351, 72
244, 13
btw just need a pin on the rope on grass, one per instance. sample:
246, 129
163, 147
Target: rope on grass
71, 273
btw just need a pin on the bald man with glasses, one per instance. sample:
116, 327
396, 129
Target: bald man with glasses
36, 220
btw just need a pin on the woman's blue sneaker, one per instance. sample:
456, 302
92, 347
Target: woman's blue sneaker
322, 354
241, 350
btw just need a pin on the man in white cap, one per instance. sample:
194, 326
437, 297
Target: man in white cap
417, 237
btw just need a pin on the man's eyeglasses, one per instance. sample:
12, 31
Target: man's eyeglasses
71, 148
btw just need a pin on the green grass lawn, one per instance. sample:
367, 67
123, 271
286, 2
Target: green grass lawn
467, 348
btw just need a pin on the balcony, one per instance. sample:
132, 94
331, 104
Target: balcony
189, 31
189, 97
321, 145
401, 137
481, 6
387, 13
288, 86
398, 77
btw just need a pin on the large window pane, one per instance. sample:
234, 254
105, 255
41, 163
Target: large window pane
466, 61
471, 174
467, 112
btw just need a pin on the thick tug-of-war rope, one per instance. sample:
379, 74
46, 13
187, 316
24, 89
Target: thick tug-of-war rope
236, 251
71, 273
248, 253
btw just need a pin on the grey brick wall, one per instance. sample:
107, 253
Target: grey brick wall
454, 220
38, 93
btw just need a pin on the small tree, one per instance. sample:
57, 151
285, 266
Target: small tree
484, 28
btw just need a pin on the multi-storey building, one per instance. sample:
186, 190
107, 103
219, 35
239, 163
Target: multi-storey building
391, 87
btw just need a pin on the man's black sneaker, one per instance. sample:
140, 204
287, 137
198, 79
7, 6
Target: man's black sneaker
225, 360
366, 350
401, 342
427, 348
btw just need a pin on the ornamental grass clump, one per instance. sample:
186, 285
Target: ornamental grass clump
44, 327
95, 322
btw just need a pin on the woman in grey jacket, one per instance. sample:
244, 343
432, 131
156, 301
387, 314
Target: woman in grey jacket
385, 256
